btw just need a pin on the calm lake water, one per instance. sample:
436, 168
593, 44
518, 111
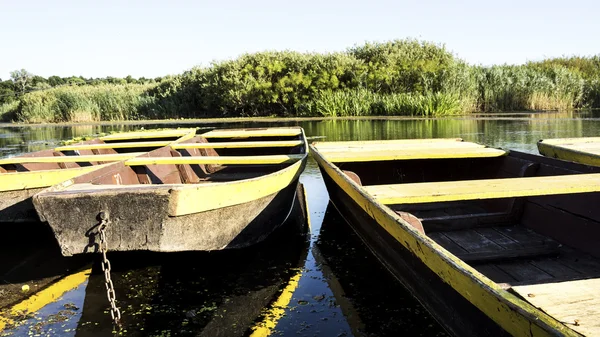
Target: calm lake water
325, 285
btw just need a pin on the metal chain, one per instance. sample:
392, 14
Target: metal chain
110, 289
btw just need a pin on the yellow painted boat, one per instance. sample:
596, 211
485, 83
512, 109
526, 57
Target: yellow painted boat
23, 176
222, 189
491, 242
584, 150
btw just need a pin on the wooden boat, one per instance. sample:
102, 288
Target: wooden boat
491, 242
585, 150
23, 176
222, 189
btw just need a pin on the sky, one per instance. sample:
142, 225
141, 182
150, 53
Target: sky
156, 38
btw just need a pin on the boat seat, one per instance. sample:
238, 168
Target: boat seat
409, 218
415, 193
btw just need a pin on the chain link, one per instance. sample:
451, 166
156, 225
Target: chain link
110, 289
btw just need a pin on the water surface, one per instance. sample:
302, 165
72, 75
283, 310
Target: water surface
325, 285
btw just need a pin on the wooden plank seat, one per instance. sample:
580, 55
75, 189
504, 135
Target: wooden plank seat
226, 145
125, 145
271, 132
150, 134
223, 160
70, 159
383, 154
576, 303
484, 189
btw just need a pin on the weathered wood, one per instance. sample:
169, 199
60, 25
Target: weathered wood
509, 254
584, 150
484, 189
235, 145
576, 303
70, 159
458, 222
244, 133
126, 145
524, 271
412, 154
230, 160
149, 134
473, 242
442, 240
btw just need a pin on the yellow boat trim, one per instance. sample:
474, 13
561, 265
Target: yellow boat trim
218, 160
514, 315
37, 179
184, 199
272, 132
322, 146
277, 310
46, 296
415, 193
412, 153
448, 146
578, 140
150, 134
580, 152
235, 145
70, 159
126, 145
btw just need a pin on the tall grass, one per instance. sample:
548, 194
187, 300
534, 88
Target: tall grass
402, 77
8, 111
87, 103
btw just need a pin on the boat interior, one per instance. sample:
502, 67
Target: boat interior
216, 156
232, 156
527, 222
91, 152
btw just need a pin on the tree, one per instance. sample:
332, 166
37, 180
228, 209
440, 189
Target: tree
55, 81
21, 79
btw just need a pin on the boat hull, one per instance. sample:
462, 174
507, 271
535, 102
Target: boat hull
449, 307
139, 220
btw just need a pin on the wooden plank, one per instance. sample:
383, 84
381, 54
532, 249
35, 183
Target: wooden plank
575, 303
473, 242
494, 273
457, 222
36, 179
323, 146
222, 160
585, 151
271, 132
555, 268
523, 271
235, 145
70, 159
498, 238
412, 154
442, 240
126, 145
397, 146
150, 134
509, 254
484, 189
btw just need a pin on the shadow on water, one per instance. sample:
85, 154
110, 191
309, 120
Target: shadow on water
374, 302
194, 294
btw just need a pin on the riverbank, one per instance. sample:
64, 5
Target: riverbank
576, 114
396, 78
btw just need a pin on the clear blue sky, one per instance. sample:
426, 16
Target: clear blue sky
155, 38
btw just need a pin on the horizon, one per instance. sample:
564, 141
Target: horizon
151, 39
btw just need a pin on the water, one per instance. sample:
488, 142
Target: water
326, 285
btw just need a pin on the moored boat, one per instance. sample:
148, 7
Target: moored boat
491, 242
23, 176
222, 189
584, 150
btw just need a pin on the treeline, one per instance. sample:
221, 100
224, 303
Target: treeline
405, 77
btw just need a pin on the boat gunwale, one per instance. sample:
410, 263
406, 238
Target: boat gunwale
518, 315
556, 151
179, 191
